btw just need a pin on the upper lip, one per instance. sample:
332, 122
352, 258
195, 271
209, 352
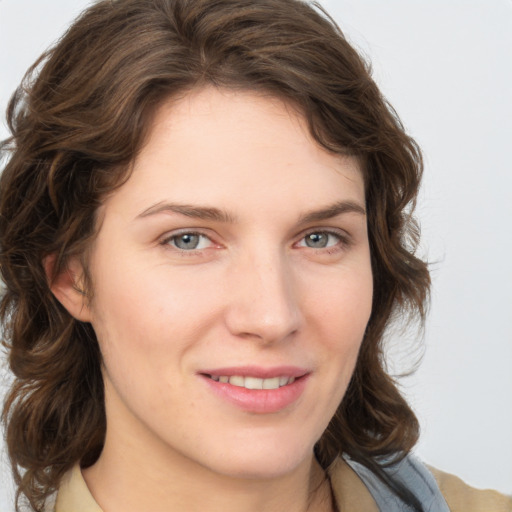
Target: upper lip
257, 371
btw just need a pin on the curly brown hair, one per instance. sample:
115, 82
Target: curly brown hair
78, 121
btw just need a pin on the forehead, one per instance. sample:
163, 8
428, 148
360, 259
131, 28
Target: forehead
216, 145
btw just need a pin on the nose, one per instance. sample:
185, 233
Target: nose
263, 304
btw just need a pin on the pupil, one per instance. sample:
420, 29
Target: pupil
316, 240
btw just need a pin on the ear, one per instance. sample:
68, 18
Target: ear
67, 286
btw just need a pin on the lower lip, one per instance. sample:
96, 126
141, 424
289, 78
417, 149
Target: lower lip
261, 401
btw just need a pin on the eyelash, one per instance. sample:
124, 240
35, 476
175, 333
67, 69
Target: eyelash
343, 241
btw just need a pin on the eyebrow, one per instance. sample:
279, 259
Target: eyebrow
331, 211
219, 215
196, 212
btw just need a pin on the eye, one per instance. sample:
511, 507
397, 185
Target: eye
320, 240
188, 241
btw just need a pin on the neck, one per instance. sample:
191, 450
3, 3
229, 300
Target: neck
125, 480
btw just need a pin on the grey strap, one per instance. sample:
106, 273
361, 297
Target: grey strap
413, 475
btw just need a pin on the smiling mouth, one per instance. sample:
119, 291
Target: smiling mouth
253, 382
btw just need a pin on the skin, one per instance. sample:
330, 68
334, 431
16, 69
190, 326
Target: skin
255, 292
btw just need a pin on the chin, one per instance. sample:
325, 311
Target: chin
262, 461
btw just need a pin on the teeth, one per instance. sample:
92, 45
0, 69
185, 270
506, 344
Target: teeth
237, 380
254, 382
270, 383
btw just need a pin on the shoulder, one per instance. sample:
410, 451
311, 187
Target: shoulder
463, 498
357, 488
73, 494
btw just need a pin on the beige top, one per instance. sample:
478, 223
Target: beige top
349, 491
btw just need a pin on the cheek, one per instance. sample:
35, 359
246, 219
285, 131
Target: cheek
344, 303
145, 317
342, 315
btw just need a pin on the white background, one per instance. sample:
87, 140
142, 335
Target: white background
446, 66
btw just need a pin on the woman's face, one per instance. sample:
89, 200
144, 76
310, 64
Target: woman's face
235, 257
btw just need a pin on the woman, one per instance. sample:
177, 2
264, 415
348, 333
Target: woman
205, 230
